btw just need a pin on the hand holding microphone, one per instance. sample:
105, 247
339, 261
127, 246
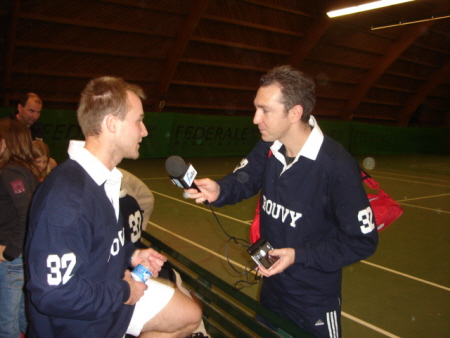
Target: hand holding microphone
208, 191
202, 190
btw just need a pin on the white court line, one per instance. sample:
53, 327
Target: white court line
203, 207
416, 182
373, 327
374, 265
407, 276
198, 245
425, 208
344, 314
412, 176
422, 198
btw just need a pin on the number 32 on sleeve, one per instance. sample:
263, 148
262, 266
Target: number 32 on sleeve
365, 216
56, 264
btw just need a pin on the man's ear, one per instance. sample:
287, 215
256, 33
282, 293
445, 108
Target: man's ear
111, 123
295, 114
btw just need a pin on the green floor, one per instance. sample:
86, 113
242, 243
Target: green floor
401, 291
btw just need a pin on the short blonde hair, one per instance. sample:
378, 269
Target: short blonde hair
103, 96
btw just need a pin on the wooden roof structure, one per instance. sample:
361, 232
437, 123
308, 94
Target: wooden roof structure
206, 56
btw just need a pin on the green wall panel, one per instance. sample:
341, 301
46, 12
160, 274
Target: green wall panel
209, 136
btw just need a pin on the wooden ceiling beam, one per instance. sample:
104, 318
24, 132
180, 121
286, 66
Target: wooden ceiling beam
432, 48
90, 24
212, 85
251, 25
423, 91
312, 36
151, 4
9, 56
305, 45
240, 45
222, 64
78, 49
392, 53
88, 76
279, 8
187, 28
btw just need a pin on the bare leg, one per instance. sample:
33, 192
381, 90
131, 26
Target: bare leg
179, 318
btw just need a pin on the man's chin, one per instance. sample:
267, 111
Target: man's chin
132, 156
266, 138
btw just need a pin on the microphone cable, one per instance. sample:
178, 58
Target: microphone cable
183, 176
240, 284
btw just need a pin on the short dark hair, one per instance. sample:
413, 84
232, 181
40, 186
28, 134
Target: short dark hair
296, 87
25, 97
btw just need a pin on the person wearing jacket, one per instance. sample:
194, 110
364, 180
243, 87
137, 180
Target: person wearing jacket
314, 210
18, 180
78, 258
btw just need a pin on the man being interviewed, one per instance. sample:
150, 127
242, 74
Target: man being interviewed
76, 250
314, 210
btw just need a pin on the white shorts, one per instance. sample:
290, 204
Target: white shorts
155, 298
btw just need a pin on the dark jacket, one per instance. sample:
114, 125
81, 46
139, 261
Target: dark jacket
36, 129
77, 255
17, 185
318, 207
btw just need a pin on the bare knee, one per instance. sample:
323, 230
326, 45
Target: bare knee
193, 312
181, 315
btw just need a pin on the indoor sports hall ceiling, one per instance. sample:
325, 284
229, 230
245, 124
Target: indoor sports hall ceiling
206, 56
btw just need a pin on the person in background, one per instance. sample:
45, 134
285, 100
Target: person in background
78, 259
314, 210
28, 112
18, 180
133, 186
41, 155
136, 205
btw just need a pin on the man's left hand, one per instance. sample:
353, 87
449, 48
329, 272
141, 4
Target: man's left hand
287, 258
154, 260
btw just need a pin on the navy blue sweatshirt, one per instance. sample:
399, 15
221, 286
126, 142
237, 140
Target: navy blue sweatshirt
316, 206
77, 256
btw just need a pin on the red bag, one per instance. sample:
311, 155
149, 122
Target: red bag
254, 228
385, 209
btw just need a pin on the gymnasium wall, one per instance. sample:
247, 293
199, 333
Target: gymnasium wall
209, 136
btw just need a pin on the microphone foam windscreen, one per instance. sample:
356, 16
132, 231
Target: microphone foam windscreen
176, 166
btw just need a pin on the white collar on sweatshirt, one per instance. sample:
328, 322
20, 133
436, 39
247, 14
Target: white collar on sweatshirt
99, 173
309, 150
312, 145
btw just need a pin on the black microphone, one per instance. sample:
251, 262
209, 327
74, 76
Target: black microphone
181, 175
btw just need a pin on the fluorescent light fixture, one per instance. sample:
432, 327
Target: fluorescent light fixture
365, 7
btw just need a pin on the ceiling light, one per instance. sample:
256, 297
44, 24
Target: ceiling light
365, 7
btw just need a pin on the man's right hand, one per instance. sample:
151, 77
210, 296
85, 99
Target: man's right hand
209, 190
136, 289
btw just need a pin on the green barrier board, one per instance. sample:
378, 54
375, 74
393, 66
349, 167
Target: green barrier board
209, 136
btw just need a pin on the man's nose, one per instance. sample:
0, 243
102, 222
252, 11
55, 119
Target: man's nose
257, 117
144, 131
